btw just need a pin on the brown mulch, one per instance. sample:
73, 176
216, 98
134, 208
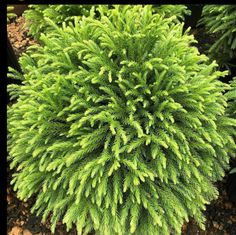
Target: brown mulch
220, 214
17, 34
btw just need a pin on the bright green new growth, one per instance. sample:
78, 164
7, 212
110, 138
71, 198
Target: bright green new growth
221, 20
119, 126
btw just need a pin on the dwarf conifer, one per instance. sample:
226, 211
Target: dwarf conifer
119, 125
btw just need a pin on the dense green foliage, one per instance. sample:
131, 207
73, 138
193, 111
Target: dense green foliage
119, 126
172, 10
221, 21
37, 24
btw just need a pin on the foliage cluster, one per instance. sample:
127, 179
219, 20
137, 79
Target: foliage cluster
37, 14
180, 11
221, 21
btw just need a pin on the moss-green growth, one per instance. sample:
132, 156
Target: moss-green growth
119, 126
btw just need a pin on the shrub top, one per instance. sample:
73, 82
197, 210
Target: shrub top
119, 126
36, 14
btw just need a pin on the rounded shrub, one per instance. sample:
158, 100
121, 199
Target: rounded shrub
119, 125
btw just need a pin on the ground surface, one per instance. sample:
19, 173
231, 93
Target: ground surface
18, 37
221, 214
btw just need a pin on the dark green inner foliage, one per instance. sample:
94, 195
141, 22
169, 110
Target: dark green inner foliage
119, 126
220, 20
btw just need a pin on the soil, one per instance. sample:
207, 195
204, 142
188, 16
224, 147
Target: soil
18, 36
220, 214
204, 42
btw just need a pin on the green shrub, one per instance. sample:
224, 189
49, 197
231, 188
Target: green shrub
119, 126
221, 21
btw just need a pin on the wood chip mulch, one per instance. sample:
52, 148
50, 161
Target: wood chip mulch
17, 34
